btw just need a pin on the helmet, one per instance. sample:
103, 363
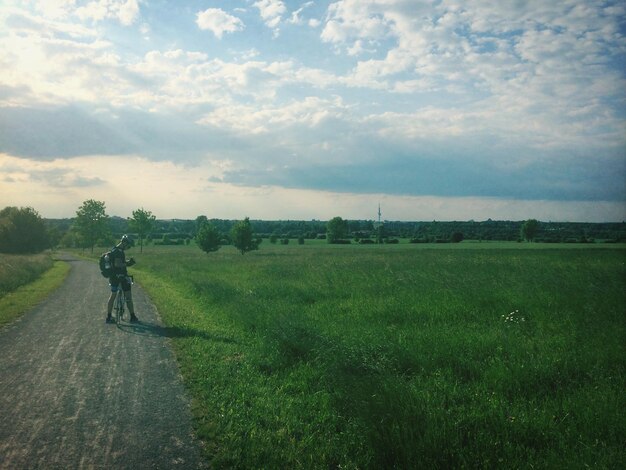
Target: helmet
127, 240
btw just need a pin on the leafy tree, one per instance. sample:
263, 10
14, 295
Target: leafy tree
200, 221
22, 230
529, 230
142, 222
243, 236
208, 238
457, 237
336, 230
91, 222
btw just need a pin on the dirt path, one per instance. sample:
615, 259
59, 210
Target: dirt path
78, 393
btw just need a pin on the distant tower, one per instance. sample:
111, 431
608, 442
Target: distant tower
379, 227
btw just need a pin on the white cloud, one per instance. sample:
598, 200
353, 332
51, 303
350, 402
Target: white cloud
189, 194
513, 84
271, 11
309, 112
295, 15
52, 68
218, 22
125, 11
56, 8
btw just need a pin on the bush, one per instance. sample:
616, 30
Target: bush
208, 238
17, 270
457, 237
22, 231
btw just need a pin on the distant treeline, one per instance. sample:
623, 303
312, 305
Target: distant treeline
179, 231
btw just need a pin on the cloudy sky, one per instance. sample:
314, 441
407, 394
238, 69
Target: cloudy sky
294, 109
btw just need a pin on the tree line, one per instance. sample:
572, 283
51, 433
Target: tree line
23, 230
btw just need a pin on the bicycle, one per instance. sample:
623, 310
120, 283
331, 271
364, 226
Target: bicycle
120, 301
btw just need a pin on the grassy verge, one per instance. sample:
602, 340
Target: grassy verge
379, 357
35, 286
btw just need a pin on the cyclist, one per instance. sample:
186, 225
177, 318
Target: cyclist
119, 277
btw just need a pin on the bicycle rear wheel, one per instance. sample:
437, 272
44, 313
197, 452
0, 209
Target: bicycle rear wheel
119, 307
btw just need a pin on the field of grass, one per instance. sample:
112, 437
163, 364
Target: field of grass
478, 355
17, 270
25, 280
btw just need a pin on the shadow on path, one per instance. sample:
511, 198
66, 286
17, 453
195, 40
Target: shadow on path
144, 328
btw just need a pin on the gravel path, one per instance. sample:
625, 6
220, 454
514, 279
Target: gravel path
78, 393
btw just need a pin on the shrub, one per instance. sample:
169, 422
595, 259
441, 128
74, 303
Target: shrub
22, 231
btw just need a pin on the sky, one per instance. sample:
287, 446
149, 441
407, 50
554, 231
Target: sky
294, 109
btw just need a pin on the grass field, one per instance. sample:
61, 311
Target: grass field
26, 280
477, 355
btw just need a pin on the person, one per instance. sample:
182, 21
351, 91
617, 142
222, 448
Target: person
119, 277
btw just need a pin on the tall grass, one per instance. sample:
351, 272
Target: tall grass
25, 280
17, 270
398, 357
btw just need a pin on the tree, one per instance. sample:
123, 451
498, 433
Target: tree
91, 222
336, 229
243, 236
22, 231
529, 230
208, 238
457, 237
200, 221
142, 222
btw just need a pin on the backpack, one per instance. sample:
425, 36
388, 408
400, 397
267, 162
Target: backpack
105, 264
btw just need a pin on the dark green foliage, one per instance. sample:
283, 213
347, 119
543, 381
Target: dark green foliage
420, 232
242, 235
22, 230
208, 238
457, 237
336, 230
529, 230
141, 223
92, 222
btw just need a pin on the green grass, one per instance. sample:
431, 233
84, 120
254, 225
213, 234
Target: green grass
25, 280
477, 355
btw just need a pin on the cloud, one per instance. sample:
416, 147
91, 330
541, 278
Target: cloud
47, 186
64, 178
456, 176
295, 15
442, 98
271, 11
310, 113
218, 22
125, 11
